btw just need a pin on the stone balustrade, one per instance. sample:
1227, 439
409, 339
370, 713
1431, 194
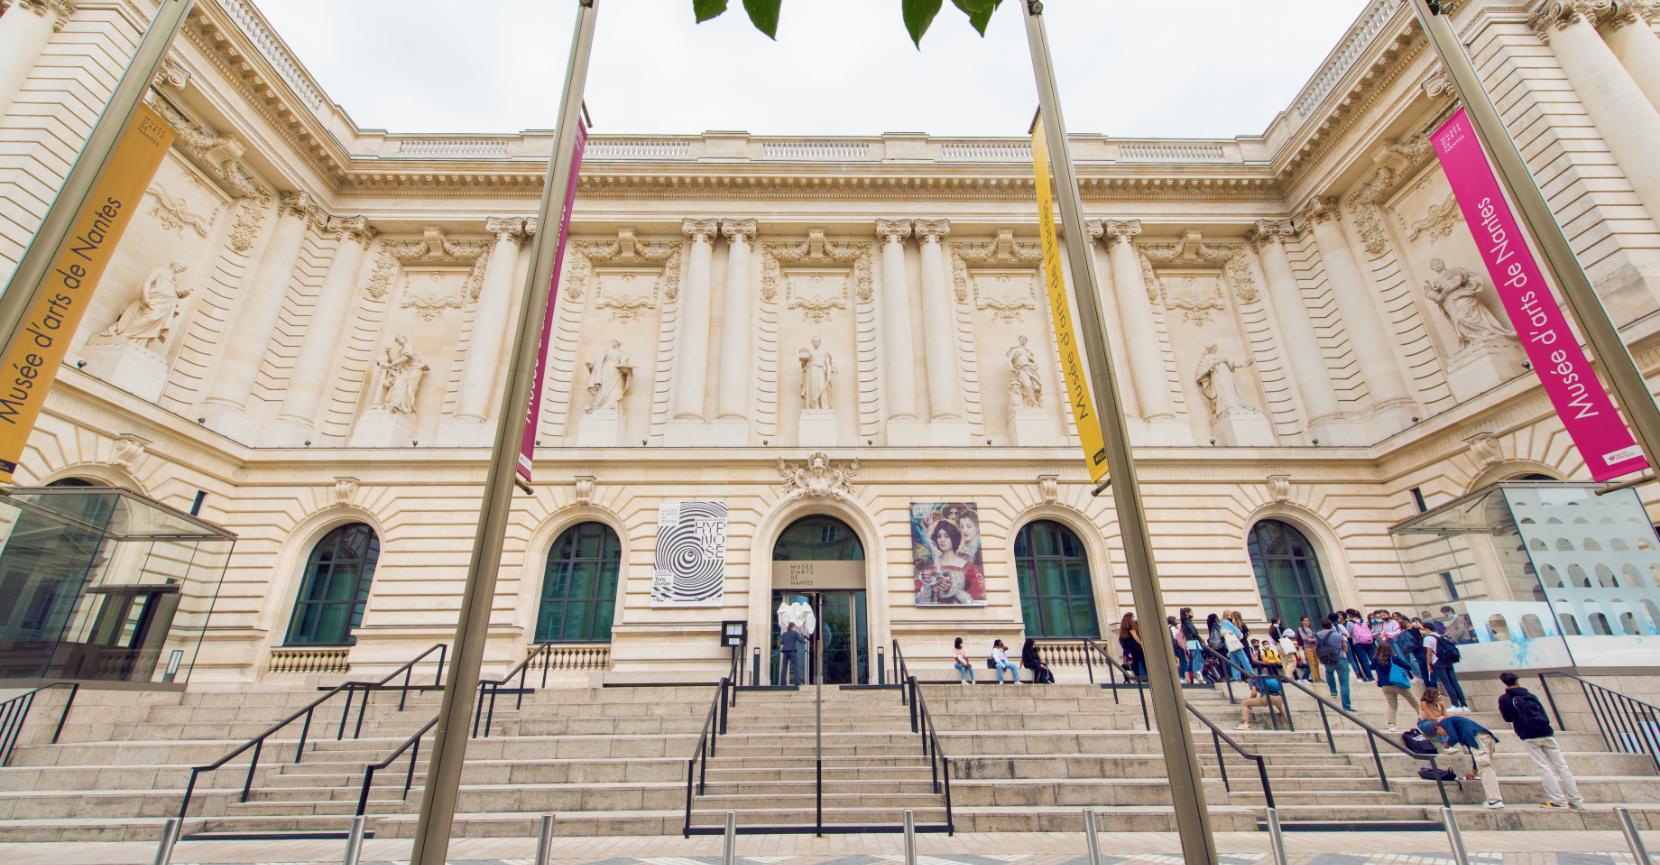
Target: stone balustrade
309, 659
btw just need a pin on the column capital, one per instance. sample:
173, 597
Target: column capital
1267, 231
1321, 208
506, 228
893, 230
1562, 14
931, 229
738, 229
1116, 230
703, 230
353, 228
302, 205
60, 10
1627, 12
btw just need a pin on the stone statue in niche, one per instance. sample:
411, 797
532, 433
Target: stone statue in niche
611, 376
1457, 291
1024, 382
400, 377
1216, 379
818, 374
148, 321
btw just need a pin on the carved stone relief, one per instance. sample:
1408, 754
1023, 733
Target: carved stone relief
818, 477
815, 253
1438, 222
174, 213
816, 293
655, 262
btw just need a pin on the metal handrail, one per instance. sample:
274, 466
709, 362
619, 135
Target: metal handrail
1217, 737
1627, 725
1249, 674
257, 743
714, 723
493, 686
1140, 682
412, 744
939, 765
14, 713
1373, 734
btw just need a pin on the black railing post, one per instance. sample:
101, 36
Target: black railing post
1089, 663
362, 706
490, 720
340, 734
523, 670
881, 667
686, 829
1216, 739
1383, 777
1267, 789
911, 683
478, 711
1544, 685
189, 789
1324, 719
363, 795
1141, 692
724, 712
305, 730
64, 716
409, 779
950, 820
259, 744
438, 678
403, 695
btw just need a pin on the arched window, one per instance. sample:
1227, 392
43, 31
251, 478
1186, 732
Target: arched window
1288, 574
818, 538
73, 481
336, 586
1056, 597
579, 588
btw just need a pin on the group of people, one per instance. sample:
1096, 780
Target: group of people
1030, 659
1340, 643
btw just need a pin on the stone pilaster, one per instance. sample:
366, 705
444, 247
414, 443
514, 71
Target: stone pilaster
898, 348
25, 28
1144, 354
255, 320
691, 363
939, 325
737, 323
312, 375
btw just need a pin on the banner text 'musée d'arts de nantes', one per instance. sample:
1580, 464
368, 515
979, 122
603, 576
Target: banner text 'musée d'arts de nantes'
60, 302
1604, 442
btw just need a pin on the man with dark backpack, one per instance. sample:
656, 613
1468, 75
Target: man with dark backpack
1444, 654
1526, 715
1332, 648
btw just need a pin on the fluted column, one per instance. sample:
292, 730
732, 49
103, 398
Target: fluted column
1362, 319
1141, 334
1629, 32
1301, 344
25, 28
736, 322
490, 322
1627, 120
310, 378
692, 362
249, 333
939, 321
1127, 398
898, 350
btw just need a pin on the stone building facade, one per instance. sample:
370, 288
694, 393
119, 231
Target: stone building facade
328, 312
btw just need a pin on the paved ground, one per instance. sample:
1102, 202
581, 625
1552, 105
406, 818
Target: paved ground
1142, 848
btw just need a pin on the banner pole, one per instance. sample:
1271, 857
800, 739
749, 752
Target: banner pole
449, 743
1631, 391
1175, 736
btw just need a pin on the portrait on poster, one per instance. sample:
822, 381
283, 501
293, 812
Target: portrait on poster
945, 545
690, 566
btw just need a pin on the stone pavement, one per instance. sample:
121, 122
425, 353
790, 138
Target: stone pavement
1058, 848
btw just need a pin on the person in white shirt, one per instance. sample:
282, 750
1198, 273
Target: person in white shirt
1000, 657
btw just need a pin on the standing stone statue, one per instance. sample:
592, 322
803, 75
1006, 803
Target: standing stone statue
818, 373
611, 376
400, 377
1458, 291
1023, 376
148, 321
1216, 378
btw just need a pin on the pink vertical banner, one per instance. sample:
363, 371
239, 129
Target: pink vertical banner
527, 441
1604, 442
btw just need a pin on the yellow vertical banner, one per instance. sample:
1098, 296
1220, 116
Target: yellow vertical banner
36, 351
1060, 312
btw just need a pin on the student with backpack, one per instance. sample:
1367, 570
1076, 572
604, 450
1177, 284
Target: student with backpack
1266, 690
1526, 715
1394, 679
1360, 644
1456, 731
1332, 648
1440, 654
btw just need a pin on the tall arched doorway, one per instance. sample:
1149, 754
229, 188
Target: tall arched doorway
1288, 573
818, 583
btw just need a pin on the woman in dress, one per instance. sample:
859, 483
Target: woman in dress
950, 581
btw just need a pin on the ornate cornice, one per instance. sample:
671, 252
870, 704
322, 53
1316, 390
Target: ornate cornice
435, 248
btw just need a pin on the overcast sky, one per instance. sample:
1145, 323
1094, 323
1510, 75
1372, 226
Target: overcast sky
1168, 68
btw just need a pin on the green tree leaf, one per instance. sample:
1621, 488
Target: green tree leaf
706, 9
764, 15
918, 15
978, 12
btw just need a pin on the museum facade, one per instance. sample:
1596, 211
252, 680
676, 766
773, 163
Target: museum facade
796, 364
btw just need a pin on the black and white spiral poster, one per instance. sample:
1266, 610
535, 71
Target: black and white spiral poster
691, 555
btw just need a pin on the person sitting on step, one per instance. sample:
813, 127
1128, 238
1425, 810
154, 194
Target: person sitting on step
1266, 691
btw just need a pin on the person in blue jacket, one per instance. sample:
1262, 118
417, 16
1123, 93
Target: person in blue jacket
1481, 744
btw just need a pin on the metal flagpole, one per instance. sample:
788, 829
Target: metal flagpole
59, 223
1630, 390
1186, 783
449, 742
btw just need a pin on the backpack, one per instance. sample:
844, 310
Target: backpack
1436, 774
1215, 641
1416, 742
1530, 713
1362, 634
1329, 648
1270, 686
1447, 653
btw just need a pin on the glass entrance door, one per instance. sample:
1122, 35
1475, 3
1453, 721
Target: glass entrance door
840, 628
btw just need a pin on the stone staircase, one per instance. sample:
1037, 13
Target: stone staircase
613, 761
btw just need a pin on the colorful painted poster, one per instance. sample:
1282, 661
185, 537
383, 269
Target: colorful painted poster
527, 437
945, 546
1604, 442
690, 567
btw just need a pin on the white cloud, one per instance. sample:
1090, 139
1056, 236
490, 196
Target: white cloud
1167, 68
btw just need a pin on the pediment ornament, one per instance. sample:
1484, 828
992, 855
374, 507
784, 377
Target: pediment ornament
818, 477
816, 251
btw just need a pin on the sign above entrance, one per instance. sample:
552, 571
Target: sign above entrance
812, 575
